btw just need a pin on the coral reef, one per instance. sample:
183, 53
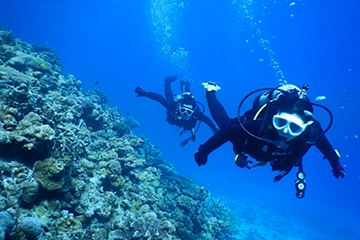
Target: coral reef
49, 173
31, 227
147, 226
71, 168
6, 221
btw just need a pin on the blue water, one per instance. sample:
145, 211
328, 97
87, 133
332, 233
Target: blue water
242, 45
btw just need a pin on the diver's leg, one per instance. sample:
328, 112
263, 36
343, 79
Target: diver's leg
185, 86
217, 110
168, 92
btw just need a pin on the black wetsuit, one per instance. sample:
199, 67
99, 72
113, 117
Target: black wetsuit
282, 155
173, 116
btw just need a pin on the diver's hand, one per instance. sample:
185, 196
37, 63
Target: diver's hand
170, 79
140, 92
201, 158
339, 171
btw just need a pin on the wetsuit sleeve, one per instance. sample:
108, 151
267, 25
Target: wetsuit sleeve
213, 143
325, 148
330, 154
157, 97
207, 121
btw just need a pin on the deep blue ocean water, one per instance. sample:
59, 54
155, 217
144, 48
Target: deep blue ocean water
242, 45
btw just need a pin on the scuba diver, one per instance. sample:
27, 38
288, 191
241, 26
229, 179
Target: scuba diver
182, 109
279, 129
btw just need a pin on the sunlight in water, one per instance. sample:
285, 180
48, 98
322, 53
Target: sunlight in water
166, 20
248, 11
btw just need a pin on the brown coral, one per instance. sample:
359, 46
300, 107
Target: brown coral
49, 173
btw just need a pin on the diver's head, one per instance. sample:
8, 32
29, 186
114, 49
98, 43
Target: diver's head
290, 125
187, 105
294, 115
186, 110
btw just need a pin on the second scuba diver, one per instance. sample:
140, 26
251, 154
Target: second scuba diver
182, 109
279, 129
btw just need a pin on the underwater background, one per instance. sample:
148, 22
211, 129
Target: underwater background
242, 46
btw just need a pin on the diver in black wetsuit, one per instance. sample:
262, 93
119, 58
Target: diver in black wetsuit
182, 110
279, 129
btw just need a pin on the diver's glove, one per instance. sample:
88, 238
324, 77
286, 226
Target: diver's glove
201, 158
339, 171
140, 92
241, 161
170, 79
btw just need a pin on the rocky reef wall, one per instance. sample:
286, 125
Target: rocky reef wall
71, 168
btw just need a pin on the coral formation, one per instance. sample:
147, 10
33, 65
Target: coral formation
31, 227
71, 168
49, 173
147, 226
6, 221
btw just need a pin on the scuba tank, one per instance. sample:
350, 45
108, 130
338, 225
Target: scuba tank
275, 94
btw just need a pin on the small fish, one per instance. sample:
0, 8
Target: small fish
40, 63
320, 98
96, 82
292, 4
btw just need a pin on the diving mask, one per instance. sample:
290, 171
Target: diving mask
289, 125
185, 109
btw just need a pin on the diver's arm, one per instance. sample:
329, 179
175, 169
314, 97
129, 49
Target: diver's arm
331, 155
207, 121
315, 131
213, 143
157, 97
